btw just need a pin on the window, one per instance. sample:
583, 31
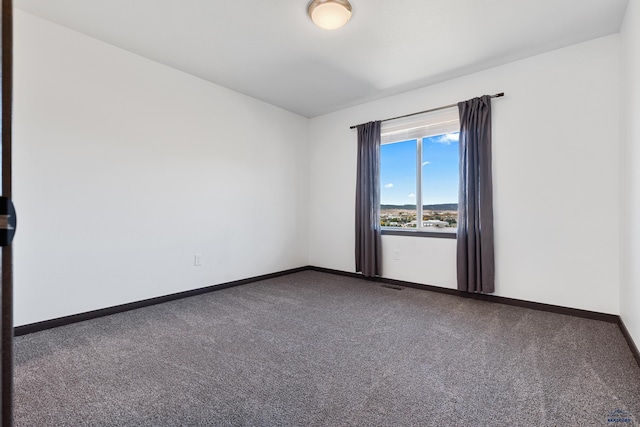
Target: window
419, 173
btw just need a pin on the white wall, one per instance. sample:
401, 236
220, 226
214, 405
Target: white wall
630, 175
556, 186
124, 169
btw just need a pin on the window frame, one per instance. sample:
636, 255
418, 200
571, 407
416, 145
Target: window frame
407, 132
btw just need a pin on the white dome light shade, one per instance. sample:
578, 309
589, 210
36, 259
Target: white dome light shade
330, 14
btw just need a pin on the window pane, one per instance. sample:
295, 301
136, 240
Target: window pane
398, 184
440, 177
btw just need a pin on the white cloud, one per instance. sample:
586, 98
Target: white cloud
448, 138
411, 196
426, 163
389, 185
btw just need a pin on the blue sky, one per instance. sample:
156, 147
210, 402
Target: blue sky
439, 171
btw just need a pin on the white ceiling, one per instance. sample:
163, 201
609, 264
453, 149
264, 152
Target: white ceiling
270, 50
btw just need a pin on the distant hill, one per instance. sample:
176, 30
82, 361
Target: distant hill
441, 207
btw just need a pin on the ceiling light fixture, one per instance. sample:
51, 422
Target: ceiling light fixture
329, 14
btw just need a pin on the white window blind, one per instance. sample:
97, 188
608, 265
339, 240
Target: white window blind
421, 126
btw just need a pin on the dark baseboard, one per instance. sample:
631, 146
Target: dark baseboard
74, 318
594, 315
336, 272
61, 321
611, 318
632, 344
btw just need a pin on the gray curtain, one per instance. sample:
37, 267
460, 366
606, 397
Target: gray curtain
475, 261
368, 236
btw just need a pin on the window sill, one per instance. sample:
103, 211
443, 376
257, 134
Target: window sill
418, 233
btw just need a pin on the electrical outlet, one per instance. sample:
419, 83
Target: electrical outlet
396, 254
197, 260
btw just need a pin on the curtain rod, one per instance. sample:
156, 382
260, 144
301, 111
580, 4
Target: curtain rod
497, 95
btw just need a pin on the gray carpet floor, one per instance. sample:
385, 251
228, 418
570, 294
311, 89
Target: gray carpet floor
323, 350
